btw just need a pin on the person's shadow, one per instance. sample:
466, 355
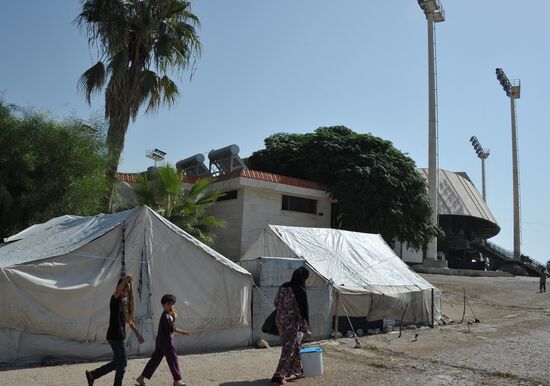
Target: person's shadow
259, 382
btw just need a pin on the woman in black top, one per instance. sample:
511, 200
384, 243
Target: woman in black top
116, 334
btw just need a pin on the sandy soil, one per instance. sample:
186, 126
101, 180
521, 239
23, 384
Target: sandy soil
509, 346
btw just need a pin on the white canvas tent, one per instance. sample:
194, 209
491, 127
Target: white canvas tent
364, 277
56, 280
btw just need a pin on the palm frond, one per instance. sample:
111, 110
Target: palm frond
170, 180
169, 89
187, 209
145, 193
149, 88
92, 80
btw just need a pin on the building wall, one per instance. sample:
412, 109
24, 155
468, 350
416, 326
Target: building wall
408, 255
258, 204
263, 207
227, 239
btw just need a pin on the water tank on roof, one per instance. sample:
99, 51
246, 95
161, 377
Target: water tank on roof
189, 161
225, 160
193, 166
224, 152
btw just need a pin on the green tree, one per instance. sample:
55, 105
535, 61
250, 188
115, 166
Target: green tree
165, 194
377, 187
48, 168
139, 42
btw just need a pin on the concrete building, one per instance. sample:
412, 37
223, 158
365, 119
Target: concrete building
255, 199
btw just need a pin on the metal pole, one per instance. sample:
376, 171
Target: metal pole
483, 179
336, 317
517, 252
431, 252
433, 319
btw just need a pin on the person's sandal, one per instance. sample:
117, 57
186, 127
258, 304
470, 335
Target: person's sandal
300, 375
278, 382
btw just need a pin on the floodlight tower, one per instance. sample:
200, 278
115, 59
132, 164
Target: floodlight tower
512, 89
483, 154
156, 155
434, 14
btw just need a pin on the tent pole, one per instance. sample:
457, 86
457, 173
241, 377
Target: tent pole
123, 260
432, 308
336, 316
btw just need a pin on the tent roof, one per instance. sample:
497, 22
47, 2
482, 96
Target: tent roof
349, 259
58, 236
65, 234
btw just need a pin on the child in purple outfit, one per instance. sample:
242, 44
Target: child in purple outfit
164, 346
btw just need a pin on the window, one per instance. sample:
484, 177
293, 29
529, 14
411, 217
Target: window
229, 195
299, 204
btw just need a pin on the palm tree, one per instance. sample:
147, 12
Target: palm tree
164, 193
139, 42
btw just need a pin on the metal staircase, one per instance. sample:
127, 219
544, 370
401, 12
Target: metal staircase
501, 257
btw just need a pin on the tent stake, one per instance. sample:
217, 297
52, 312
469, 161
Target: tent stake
464, 311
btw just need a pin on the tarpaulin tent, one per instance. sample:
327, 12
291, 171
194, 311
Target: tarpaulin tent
56, 280
360, 274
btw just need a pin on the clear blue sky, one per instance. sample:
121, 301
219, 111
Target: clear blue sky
287, 65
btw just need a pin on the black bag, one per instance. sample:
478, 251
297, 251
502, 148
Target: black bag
270, 326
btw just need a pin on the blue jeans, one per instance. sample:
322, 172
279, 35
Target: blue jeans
118, 363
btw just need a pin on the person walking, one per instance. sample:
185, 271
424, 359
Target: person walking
542, 282
120, 312
164, 345
293, 323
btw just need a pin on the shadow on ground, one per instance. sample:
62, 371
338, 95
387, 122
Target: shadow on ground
259, 382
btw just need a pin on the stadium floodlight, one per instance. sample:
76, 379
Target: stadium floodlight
483, 154
156, 155
513, 91
433, 10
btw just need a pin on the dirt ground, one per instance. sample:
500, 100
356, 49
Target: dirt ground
509, 346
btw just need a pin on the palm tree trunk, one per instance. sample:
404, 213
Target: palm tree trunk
115, 145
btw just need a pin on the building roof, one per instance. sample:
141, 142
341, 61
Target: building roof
458, 196
243, 173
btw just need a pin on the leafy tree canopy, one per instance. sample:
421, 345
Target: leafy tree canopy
377, 187
165, 194
47, 168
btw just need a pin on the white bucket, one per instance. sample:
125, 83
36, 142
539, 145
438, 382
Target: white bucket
312, 359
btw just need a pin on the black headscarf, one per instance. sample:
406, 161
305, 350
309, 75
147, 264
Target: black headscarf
298, 285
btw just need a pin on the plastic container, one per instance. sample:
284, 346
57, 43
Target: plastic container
312, 359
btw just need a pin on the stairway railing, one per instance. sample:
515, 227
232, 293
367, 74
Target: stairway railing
509, 255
